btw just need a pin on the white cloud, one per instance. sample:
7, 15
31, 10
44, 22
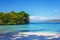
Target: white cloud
38, 18
42, 18
54, 17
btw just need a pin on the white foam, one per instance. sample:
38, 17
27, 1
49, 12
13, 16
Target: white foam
48, 35
15, 38
40, 33
53, 35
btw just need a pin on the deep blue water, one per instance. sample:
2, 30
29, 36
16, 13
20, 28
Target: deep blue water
38, 27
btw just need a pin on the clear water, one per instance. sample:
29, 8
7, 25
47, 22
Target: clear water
30, 28
6, 30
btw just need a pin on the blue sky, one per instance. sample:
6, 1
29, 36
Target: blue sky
43, 8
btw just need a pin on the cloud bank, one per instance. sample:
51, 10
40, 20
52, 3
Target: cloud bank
42, 18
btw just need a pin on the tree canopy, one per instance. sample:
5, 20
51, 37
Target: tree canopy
14, 17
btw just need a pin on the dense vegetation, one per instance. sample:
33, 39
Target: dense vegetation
14, 18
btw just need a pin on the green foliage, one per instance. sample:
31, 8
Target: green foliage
14, 18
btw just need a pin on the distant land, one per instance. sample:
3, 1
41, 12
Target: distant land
54, 20
47, 21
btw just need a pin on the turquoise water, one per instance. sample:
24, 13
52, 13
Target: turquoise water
30, 28
13, 32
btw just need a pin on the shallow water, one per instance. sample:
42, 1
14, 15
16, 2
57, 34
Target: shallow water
30, 32
30, 28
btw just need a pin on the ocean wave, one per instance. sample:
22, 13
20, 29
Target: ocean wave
37, 35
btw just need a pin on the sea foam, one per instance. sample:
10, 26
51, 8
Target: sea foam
47, 35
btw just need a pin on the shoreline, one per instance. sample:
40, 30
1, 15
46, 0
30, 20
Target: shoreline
33, 35
47, 35
39, 33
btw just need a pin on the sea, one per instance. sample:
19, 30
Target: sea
31, 31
